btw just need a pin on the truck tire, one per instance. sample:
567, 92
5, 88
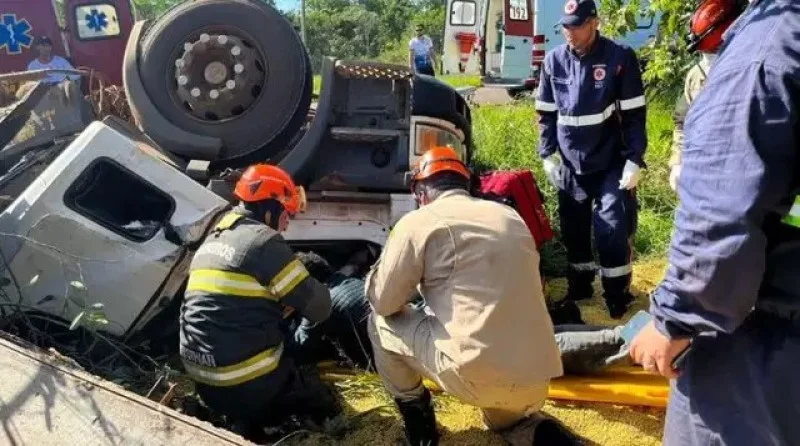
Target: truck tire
231, 69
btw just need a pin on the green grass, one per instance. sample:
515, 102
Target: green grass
506, 138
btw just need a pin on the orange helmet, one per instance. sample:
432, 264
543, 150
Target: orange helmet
709, 22
436, 160
266, 182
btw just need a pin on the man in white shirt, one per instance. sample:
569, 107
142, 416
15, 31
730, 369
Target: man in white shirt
421, 57
47, 61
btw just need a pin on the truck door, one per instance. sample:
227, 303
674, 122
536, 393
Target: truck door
21, 21
98, 32
517, 39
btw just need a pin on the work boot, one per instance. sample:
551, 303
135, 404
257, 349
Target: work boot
565, 312
618, 304
579, 292
419, 420
540, 430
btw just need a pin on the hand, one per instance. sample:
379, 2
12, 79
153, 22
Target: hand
552, 168
674, 174
655, 352
630, 176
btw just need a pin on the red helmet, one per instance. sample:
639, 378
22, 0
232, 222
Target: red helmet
266, 182
439, 159
710, 20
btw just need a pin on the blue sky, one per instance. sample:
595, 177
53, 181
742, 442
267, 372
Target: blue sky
286, 5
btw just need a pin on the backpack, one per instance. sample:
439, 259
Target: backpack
518, 189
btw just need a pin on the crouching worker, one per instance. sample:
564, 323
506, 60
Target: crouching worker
484, 336
243, 279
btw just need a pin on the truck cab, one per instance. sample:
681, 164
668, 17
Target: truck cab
107, 219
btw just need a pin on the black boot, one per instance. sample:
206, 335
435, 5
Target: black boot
419, 420
565, 312
579, 285
618, 304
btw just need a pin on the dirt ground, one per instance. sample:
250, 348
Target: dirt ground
373, 420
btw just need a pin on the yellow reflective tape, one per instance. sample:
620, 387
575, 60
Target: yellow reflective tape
228, 220
288, 278
226, 282
793, 218
231, 375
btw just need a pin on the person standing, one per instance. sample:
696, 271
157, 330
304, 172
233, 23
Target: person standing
731, 293
592, 115
46, 60
709, 22
421, 57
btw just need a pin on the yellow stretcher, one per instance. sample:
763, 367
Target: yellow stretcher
627, 386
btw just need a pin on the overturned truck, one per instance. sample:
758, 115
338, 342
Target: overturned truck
108, 216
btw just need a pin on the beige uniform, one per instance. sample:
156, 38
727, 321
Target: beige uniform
695, 79
485, 335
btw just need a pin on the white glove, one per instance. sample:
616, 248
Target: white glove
630, 176
674, 174
552, 168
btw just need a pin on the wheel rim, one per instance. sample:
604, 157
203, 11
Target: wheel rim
219, 75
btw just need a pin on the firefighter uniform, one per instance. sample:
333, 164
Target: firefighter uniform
485, 336
592, 113
242, 279
733, 284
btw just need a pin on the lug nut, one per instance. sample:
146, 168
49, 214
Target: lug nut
179, 63
236, 51
231, 84
222, 40
188, 46
183, 80
195, 92
213, 94
204, 38
238, 68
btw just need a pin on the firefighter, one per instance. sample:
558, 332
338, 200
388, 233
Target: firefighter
732, 291
592, 113
483, 335
243, 279
706, 28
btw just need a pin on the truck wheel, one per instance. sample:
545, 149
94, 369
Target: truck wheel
231, 69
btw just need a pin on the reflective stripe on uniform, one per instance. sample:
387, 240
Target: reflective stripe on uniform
793, 218
231, 375
587, 120
289, 277
546, 106
618, 271
227, 221
630, 104
589, 266
226, 282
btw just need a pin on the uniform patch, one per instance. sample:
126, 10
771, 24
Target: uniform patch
570, 7
218, 249
599, 73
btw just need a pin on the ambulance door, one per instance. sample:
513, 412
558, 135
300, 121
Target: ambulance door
517, 39
461, 37
98, 33
21, 21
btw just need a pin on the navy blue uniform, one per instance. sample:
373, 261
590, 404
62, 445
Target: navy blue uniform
734, 277
592, 112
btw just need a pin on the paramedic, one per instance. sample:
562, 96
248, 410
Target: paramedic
421, 57
708, 23
484, 335
242, 280
592, 113
46, 60
732, 290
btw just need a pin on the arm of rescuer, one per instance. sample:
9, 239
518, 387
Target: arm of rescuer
392, 281
632, 108
740, 151
283, 273
547, 109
